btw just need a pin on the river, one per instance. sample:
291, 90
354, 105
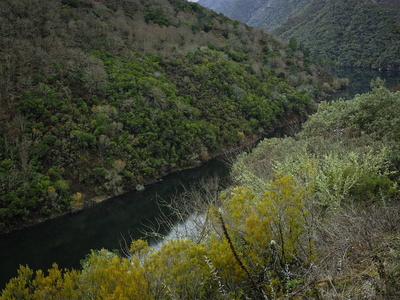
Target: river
68, 239
360, 81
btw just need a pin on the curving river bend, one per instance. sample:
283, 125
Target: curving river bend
68, 239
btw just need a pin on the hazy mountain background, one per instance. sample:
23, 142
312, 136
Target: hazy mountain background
258, 13
352, 33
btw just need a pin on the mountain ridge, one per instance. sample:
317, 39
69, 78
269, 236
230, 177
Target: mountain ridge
354, 33
358, 33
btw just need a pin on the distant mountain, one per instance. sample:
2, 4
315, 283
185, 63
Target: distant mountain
257, 13
101, 96
275, 12
354, 32
234, 9
350, 32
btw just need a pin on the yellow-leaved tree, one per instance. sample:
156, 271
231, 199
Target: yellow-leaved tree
267, 235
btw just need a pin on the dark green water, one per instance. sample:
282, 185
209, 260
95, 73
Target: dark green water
67, 240
360, 80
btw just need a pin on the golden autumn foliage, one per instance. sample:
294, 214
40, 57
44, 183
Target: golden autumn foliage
55, 285
256, 236
269, 231
106, 275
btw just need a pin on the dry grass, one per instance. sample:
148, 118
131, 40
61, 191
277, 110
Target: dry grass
359, 255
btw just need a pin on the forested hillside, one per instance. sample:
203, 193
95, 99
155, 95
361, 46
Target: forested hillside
354, 33
314, 216
102, 96
350, 33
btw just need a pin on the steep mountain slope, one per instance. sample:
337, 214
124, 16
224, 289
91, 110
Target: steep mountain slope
275, 12
356, 32
101, 96
353, 33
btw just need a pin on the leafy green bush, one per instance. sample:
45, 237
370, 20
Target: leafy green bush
344, 152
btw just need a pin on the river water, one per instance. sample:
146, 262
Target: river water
360, 81
68, 239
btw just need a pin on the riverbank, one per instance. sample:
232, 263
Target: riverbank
69, 238
359, 82
88, 204
287, 126
93, 201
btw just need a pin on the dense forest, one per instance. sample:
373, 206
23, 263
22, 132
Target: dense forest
313, 216
98, 97
355, 33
